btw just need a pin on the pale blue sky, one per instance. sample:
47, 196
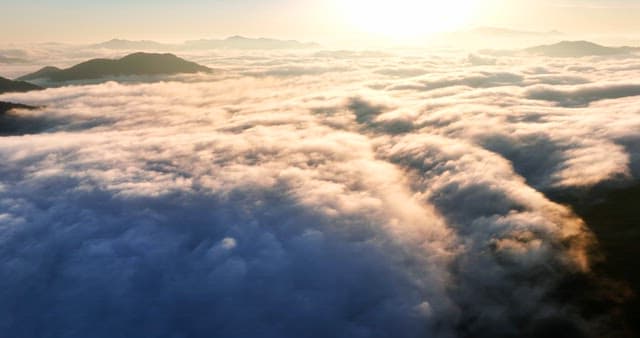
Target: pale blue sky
83, 21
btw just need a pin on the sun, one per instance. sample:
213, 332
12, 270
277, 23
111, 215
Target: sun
408, 18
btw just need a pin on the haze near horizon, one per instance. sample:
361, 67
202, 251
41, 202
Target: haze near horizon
329, 22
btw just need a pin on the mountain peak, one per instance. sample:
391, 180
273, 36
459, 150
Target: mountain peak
577, 48
136, 64
237, 37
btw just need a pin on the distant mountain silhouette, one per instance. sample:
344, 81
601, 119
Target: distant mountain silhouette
240, 42
578, 49
120, 44
234, 42
8, 86
42, 73
136, 64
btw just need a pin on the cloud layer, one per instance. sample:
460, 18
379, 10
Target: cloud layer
313, 195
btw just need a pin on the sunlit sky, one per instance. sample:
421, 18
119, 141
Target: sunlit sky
320, 20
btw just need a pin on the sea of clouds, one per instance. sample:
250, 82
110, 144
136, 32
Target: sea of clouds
332, 194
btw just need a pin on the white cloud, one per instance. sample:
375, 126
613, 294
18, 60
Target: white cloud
402, 196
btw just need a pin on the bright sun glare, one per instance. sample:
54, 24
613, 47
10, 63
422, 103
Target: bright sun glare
408, 18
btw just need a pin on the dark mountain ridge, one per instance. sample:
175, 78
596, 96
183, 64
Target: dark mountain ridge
136, 64
42, 73
8, 86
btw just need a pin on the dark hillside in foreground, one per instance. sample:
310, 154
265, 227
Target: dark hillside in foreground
614, 217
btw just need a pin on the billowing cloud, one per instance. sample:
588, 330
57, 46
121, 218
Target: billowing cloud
584, 95
311, 195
